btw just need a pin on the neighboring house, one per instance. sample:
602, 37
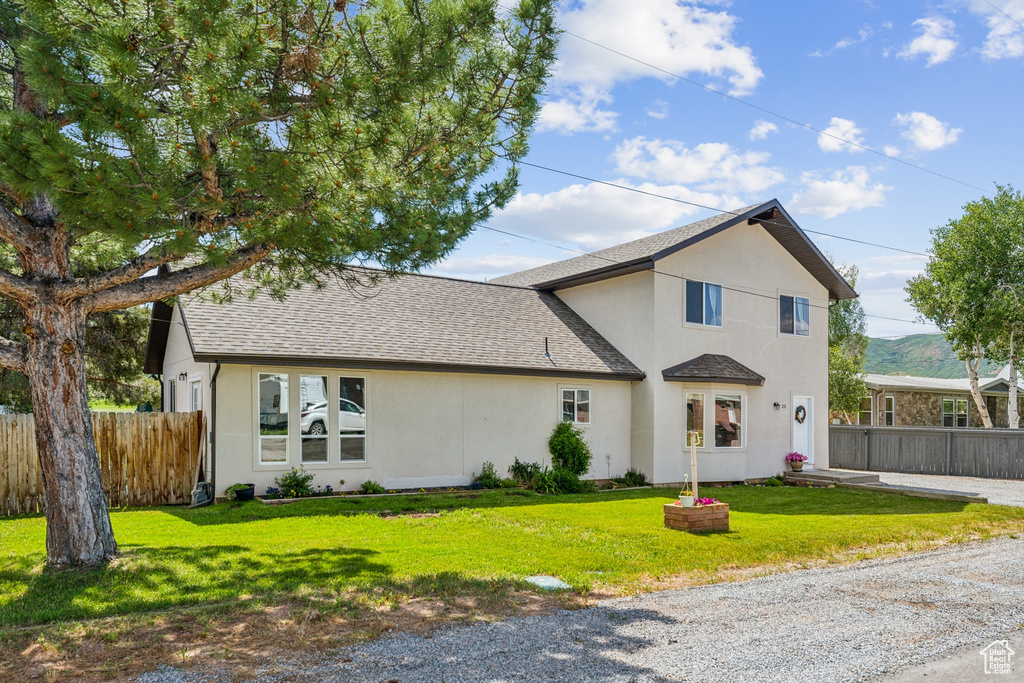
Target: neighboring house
719, 327
907, 401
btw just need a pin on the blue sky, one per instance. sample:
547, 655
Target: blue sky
936, 85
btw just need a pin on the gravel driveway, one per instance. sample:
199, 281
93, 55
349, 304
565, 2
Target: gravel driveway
998, 491
849, 623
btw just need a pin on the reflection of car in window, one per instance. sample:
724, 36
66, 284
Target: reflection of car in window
351, 418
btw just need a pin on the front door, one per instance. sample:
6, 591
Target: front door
803, 427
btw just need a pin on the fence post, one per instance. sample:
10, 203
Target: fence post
867, 450
949, 452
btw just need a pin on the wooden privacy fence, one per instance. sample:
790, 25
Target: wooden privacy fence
145, 459
992, 453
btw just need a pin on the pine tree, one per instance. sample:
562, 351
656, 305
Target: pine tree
205, 138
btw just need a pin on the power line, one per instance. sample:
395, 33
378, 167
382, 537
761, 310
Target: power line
1004, 14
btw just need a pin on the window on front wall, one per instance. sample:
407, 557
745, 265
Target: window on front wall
352, 416
171, 397
794, 315
728, 421
954, 412
703, 303
889, 414
313, 417
864, 416
576, 406
273, 417
695, 419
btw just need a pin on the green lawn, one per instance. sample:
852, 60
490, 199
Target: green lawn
334, 549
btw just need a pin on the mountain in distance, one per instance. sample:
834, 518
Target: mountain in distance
922, 355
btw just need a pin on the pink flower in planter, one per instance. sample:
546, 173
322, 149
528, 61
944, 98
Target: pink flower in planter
796, 457
706, 501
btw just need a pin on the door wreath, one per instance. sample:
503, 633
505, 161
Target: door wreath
801, 414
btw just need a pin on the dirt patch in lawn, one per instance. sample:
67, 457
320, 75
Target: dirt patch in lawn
241, 637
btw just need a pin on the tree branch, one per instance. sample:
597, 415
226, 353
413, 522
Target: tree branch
161, 287
16, 288
12, 355
133, 270
14, 229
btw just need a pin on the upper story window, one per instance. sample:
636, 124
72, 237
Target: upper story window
794, 315
703, 303
576, 406
954, 412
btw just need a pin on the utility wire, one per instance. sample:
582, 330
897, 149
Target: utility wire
1004, 14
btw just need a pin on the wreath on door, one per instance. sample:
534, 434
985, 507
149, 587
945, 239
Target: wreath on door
801, 414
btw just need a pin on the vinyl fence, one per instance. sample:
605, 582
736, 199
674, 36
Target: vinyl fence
145, 459
992, 453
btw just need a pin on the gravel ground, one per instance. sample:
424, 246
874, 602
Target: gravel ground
852, 623
998, 491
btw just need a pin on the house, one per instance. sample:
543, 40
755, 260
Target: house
718, 328
907, 401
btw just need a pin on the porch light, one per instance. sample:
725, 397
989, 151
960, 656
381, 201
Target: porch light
182, 377
777, 405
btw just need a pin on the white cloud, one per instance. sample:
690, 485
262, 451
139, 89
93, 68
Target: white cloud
862, 35
761, 130
844, 129
892, 150
595, 216
490, 265
926, 132
1005, 39
711, 166
938, 40
847, 190
658, 110
680, 38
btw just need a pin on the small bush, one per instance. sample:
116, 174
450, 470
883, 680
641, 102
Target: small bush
777, 480
635, 477
544, 482
370, 486
566, 481
232, 490
508, 484
488, 477
569, 450
295, 483
523, 472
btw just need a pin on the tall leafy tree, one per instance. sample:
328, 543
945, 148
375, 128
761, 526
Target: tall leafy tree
972, 287
283, 138
848, 343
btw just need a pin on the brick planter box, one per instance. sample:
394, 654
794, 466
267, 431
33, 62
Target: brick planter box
698, 518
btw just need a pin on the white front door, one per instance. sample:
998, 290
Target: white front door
803, 427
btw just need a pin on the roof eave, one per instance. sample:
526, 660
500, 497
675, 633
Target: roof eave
414, 366
750, 382
606, 273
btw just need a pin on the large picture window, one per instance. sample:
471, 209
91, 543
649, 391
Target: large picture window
576, 406
352, 418
728, 421
313, 417
695, 419
703, 303
795, 315
954, 412
273, 417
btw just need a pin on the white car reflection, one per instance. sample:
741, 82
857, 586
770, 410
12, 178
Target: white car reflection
351, 418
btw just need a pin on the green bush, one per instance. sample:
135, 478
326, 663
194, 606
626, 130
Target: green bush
295, 483
544, 482
523, 472
488, 477
370, 486
508, 483
635, 477
569, 450
566, 481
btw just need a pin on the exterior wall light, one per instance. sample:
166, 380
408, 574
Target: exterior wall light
183, 376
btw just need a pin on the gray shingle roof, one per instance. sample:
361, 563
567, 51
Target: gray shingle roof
411, 322
642, 253
998, 383
714, 368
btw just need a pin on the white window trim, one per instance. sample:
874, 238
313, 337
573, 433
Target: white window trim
191, 393
885, 399
870, 397
743, 421
704, 427
778, 314
703, 301
293, 399
298, 378
172, 396
575, 399
334, 452
955, 400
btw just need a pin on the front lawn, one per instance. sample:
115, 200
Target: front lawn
338, 551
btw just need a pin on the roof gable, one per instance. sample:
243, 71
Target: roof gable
714, 368
642, 254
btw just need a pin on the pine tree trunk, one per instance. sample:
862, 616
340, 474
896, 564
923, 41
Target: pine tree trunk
1012, 414
972, 373
78, 530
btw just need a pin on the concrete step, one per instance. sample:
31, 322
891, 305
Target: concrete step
935, 494
826, 477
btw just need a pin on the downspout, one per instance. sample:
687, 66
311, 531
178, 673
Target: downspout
213, 430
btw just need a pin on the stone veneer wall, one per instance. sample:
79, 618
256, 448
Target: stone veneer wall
924, 409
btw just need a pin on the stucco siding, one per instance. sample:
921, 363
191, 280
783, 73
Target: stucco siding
425, 428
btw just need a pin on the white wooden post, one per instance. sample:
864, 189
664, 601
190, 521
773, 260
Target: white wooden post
693, 461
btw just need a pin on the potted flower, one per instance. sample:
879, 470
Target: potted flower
686, 496
796, 460
241, 492
700, 502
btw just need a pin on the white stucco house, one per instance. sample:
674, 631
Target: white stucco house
719, 327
